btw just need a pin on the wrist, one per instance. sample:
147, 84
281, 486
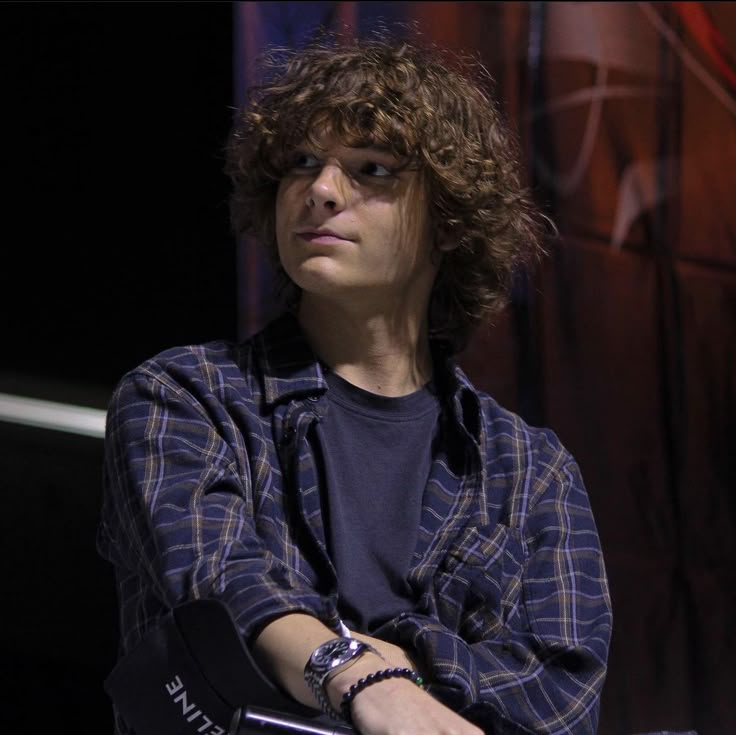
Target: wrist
339, 684
395, 677
329, 660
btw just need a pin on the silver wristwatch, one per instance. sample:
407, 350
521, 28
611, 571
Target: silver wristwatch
326, 660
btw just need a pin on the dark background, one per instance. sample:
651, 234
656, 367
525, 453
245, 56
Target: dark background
116, 244
115, 207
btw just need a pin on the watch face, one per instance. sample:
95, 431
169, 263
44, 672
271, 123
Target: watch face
333, 653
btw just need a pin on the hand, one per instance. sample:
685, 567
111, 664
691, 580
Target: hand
395, 706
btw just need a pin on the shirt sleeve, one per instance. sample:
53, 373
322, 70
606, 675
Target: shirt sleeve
543, 671
178, 520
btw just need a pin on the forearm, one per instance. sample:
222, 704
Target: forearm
284, 646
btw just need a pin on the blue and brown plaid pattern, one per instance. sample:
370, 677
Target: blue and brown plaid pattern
212, 490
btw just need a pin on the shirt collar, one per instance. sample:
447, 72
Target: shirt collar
288, 364
460, 399
290, 369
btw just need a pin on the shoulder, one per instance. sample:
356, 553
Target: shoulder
186, 366
503, 435
218, 372
508, 435
225, 371
525, 466
208, 362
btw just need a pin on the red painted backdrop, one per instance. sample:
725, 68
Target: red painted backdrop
624, 342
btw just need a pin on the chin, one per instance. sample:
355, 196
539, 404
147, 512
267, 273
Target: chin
321, 278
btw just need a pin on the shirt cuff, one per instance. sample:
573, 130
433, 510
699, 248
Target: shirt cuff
445, 658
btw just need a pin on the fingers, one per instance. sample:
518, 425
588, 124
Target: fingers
399, 707
395, 706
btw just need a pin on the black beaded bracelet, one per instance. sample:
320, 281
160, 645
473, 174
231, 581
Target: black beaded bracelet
374, 678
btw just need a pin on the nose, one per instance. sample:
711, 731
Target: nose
328, 190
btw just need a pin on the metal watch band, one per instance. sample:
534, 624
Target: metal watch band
326, 661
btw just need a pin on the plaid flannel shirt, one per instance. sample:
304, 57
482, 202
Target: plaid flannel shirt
212, 491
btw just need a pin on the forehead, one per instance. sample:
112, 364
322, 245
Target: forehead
324, 133
329, 147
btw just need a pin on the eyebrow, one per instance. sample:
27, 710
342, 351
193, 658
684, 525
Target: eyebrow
359, 146
378, 147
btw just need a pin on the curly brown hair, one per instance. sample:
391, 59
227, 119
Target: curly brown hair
428, 107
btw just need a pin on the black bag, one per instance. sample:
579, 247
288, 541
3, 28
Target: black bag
194, 675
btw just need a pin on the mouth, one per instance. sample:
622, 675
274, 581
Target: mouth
322, 236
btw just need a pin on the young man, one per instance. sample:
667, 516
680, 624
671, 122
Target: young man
337, 475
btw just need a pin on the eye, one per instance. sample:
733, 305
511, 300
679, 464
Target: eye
304, 161
371, 168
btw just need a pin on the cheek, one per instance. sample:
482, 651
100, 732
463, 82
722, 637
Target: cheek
291, 195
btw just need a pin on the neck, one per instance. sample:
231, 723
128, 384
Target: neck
382, 352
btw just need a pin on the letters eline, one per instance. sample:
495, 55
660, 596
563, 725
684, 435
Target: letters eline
189, 710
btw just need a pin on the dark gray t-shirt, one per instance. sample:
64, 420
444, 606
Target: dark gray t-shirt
377, 458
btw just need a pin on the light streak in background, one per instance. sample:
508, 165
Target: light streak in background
51, 415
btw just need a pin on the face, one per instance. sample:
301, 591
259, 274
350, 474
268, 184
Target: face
350, 225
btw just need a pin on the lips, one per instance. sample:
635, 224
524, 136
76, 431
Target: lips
323, 236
